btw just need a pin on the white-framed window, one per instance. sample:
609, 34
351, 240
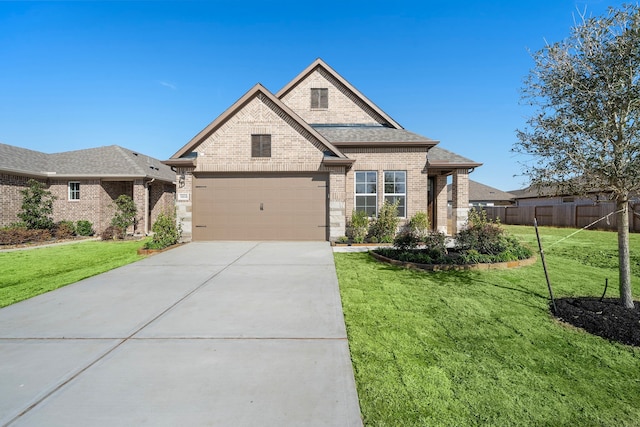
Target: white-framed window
395, 189
320, 98
367, 192
74, 190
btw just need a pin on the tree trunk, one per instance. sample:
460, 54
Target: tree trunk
626, 299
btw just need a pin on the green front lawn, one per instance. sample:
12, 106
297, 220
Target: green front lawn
27, 273
480, 348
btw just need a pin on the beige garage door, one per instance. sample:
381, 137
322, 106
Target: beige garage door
260, 207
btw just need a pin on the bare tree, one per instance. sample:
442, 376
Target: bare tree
585, 134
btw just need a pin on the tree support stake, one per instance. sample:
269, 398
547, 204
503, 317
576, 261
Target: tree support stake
544, 265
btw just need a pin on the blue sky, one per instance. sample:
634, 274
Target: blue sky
150, 75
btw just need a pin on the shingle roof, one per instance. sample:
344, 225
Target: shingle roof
440, 155
482, 192
337, 134
110, 161
17, 159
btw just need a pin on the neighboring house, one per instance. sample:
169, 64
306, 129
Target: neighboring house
86, 182
532, 196
561, 209
294, 165
481, 195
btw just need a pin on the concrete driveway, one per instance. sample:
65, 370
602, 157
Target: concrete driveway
215, 334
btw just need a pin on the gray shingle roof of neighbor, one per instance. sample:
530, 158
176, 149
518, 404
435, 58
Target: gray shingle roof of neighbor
112, 161
368, 134
482, 192
20, 159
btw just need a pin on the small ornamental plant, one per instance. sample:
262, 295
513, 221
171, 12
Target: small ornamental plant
37, 206
385, 226
167, 232
359, 226
125, 214
84, 228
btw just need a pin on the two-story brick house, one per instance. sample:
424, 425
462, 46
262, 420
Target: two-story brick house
294, 165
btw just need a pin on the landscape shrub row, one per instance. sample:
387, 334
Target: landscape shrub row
20, 233
381, 229
481, 241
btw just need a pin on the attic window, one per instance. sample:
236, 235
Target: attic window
260, 145
320, 98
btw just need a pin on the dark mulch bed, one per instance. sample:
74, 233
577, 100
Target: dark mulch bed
607, 318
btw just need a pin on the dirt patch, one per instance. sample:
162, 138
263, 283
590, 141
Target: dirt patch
607, 318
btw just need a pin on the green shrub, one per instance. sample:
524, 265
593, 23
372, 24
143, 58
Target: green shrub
125, 213
436, 241
406, 239
84, 228
419, 256
19, 224
484, 241
342, 239
112, 233
64, 230
385, 226
419, 225
358, 226
37, 206
481, 234
166, 232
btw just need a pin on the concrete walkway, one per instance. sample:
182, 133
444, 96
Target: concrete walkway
216, 334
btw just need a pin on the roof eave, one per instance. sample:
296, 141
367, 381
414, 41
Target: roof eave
452, 165
386, 144
180, 162
338, 162
32, 174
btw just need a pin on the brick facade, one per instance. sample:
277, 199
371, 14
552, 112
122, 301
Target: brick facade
344, 107
95, 203
410, 160
229, 148
225, 146
11, 200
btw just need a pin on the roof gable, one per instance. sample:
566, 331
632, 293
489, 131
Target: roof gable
320, 74
258, 91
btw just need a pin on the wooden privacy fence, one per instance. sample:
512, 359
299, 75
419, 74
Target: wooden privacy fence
566, 215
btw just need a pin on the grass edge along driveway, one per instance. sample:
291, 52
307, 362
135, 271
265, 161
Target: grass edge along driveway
480, 348
27, 273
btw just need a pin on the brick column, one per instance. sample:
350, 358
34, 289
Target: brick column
337, 203
140, 200
440, 199
460, 199
184, 202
